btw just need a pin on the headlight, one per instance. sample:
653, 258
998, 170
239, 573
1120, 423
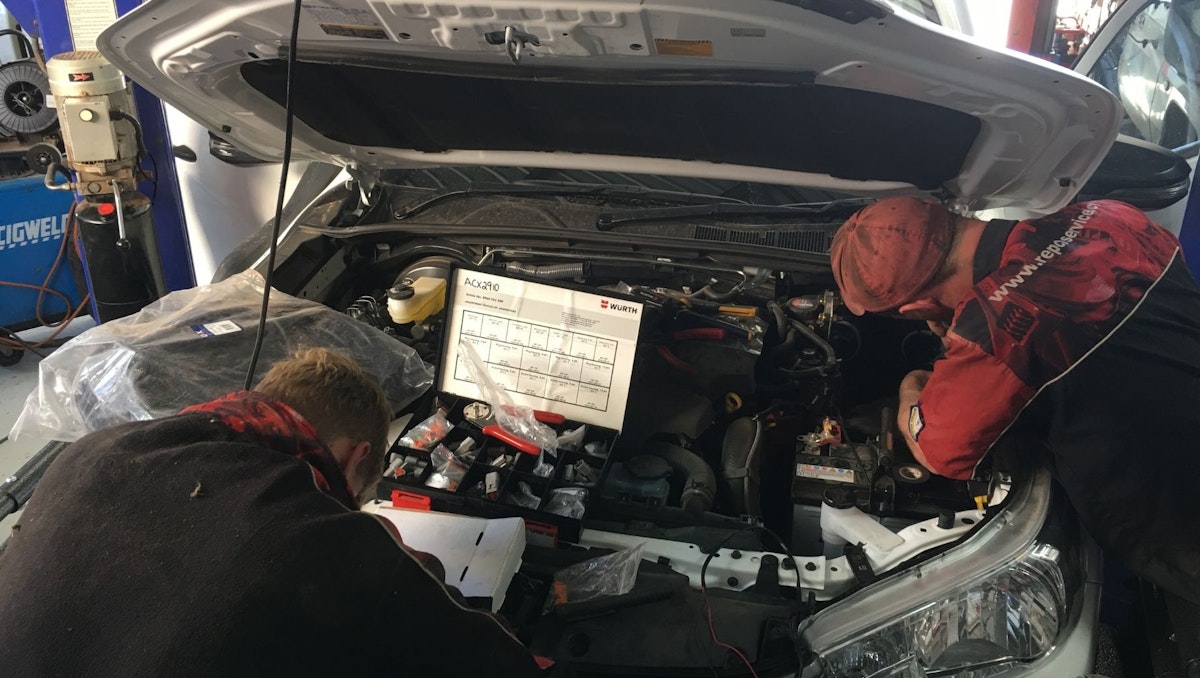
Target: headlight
998, 600
1011, 615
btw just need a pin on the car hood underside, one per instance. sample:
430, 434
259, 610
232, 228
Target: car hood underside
842, 95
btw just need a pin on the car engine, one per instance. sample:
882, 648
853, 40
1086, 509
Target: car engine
759, 467
755, 392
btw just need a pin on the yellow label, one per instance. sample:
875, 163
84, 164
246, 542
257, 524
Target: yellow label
695, 48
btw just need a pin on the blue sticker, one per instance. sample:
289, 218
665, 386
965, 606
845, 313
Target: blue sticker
214, 329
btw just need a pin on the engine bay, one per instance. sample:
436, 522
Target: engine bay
773, 385
761, 412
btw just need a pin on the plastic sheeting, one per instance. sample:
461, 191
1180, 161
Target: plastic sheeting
193, 346
611, 575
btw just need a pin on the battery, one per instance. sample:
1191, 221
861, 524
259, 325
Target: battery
850, 466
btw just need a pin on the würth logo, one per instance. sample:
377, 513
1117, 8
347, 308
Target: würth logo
82, 77
613, 306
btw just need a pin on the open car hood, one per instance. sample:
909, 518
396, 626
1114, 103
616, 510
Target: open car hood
843, 95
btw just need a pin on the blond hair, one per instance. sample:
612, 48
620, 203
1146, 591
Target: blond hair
334, 394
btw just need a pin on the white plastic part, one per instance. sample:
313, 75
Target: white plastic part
827, 578
839, 526
480, 556
429, 297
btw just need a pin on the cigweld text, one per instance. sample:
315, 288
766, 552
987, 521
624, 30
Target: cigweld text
31, 232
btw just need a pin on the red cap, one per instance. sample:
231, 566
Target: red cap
106, 208
886, 253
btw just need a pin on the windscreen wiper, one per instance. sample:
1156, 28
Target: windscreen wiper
609, 220
556, 189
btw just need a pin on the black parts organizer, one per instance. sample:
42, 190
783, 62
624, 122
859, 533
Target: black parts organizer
499, 480
495, 475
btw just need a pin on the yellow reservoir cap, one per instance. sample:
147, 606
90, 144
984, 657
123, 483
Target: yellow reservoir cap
428, 297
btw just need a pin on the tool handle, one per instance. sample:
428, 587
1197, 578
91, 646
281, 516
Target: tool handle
700, 333
677, 362
552, 418
511, 439
739, 311
734, 330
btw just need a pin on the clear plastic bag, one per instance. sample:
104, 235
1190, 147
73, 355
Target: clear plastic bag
568, 502
571, 440
611, 575
544, 468
596, 448
466, 451
524, 496
448, 469
512, 418
193, 346
428, 433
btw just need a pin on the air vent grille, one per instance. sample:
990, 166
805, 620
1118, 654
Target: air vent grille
812, 241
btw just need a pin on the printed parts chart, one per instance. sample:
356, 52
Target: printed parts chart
551, 348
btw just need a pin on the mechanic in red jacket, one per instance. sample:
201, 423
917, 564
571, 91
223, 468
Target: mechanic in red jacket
227, 541
1078, 333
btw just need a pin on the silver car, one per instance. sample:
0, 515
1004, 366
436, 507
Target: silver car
691, 154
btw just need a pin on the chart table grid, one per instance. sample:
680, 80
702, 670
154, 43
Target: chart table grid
541, 361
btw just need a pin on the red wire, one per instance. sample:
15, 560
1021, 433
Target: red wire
45, 342
717, 641
62, 251
41, 291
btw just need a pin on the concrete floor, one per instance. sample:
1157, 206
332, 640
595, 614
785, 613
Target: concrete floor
16, 383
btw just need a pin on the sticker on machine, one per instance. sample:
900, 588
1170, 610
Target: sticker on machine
217, 328
86, 19
347, 22
832, 473
354, 32
692, 48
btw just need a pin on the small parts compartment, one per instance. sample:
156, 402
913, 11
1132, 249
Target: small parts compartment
470, 472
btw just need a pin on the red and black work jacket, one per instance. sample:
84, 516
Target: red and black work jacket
1081, 338
223, 542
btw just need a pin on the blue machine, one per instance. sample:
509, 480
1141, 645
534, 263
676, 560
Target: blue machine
32, 223
1189, 233
48, 20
